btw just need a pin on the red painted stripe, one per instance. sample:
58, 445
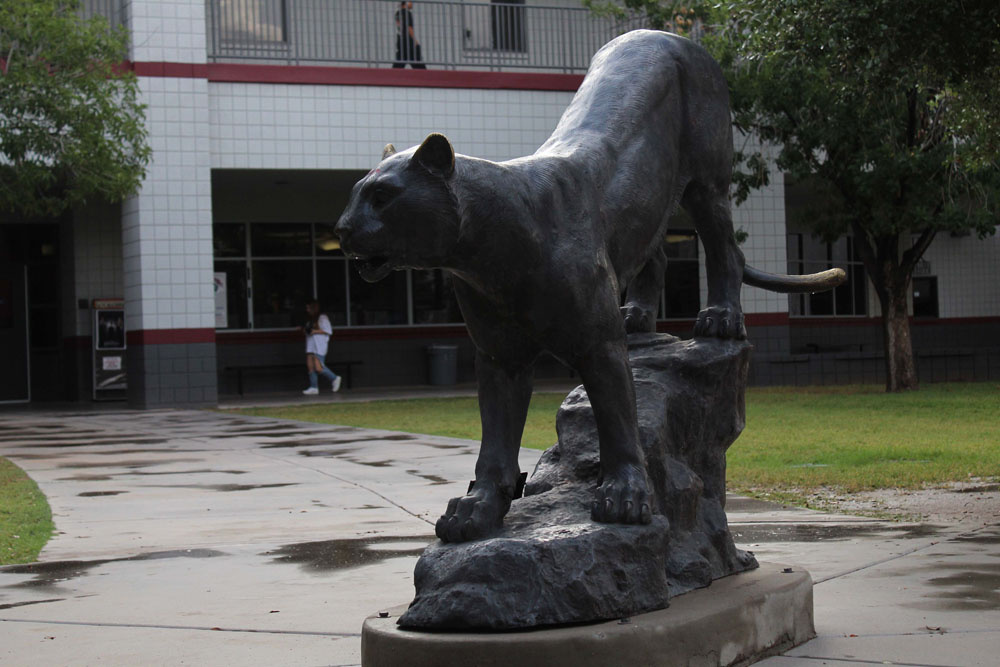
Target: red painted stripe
360, 76
170, 336
877, 321
765, 319
176, 70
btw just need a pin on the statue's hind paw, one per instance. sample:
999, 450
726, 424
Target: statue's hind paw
623, 497
720, 322
637, 319
476, 515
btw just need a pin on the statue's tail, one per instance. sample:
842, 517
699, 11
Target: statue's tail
811, 282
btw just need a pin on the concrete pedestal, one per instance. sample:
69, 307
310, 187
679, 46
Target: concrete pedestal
736, 621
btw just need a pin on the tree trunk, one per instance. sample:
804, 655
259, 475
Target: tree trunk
900, 371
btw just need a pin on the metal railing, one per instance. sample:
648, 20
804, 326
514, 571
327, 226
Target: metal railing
452, 35
112, 10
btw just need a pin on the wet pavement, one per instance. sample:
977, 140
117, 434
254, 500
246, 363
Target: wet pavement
199, 537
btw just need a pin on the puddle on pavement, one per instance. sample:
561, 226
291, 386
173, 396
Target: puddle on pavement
105, 478
337, 441
127, 464
367, 507
779, 532
224, 487
985, 488
328, 453
263, 434
55, 572
336, 555
94, 494
374, 464
101, 441
965, 587
433, 479
741, 504
11, 605
980, 538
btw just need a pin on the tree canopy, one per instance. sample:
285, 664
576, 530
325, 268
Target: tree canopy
886, 108
71, 124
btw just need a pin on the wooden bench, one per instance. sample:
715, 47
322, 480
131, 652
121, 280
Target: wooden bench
342, 368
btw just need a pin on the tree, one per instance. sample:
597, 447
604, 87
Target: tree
71, 126
888, 107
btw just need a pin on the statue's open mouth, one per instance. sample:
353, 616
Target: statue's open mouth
373, 269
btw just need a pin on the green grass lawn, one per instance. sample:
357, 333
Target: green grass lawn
25, 518
796, 439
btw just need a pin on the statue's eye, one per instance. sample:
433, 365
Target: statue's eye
380, 196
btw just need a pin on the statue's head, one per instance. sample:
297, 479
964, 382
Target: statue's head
402, 214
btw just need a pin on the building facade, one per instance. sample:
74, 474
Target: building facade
261, 116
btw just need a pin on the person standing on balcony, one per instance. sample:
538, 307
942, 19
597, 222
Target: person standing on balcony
318, 331
407, 46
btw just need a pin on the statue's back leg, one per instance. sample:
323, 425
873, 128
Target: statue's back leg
642, 297
708, 205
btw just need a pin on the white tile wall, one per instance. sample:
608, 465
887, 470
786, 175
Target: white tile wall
97, 262
167, 30
263, 126
167, 227
968, 273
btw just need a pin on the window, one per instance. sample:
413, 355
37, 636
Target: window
253, 24
272, 269
507, 25
681, 290
807, 254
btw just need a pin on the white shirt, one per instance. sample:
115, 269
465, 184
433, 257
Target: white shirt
319, 339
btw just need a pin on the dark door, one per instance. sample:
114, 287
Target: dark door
925, 297
14, 367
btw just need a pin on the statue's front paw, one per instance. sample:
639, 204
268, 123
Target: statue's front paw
476, 515
637, 319
623, 497
720, 322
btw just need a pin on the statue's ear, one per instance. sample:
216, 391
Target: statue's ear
436, 155
388, 150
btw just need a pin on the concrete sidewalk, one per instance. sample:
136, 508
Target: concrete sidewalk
197, 537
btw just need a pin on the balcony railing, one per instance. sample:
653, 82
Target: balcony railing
112, 10
452, 35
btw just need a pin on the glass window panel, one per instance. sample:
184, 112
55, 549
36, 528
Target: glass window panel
434, 299
378, 303
327, 243
236, 293
44, 326
331, 290
229, 239
859, 283
251, 21
281, 240
280, 291
682, 245
43, 285
681, 291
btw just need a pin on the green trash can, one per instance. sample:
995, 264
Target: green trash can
442, 365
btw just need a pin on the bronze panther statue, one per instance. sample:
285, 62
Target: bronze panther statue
542, 247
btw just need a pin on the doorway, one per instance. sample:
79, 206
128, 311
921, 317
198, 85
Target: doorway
15, 367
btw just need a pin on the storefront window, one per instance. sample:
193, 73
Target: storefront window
434, 299
378, 304
280, 290
272, 269
808, 254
